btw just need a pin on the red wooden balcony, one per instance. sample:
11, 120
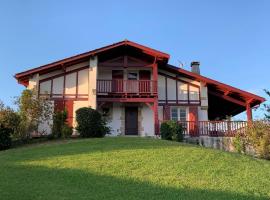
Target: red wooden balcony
127, 87
214, 128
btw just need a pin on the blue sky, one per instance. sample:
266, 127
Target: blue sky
230, 38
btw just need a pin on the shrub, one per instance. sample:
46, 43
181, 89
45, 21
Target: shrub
59, 119
256, 138
5, 139
9, 118
165, 131
32, 111
66, 131
90, 123
171, 130
239, 144
60, 127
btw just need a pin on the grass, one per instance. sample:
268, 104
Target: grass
129, 168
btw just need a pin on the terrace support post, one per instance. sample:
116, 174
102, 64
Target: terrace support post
155, 110
249, 112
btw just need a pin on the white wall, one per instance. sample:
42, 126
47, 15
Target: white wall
147, 121
116, 118
161, 88
76, 106
92, 79
171, 89
45, 127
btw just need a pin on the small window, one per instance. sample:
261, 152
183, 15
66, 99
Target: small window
183, 114
174, 114
178, 114
132, 76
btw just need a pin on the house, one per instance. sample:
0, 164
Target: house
135, 88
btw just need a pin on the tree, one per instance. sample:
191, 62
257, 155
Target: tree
267, 106
32, 111
9, 118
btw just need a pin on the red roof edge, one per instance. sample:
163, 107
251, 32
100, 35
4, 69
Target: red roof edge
222, 85
91, 53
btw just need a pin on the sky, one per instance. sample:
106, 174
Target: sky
230, 38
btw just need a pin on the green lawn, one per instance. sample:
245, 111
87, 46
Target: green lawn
129, 168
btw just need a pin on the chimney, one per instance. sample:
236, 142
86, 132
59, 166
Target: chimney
195, 67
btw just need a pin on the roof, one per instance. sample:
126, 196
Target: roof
236, 98
231, 96
60, 63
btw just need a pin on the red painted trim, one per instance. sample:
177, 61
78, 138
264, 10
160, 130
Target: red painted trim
155, 113
249, 112
178, 79
241, 103
100, 99
166, 89
73, 99
146, 50
64, 84
178, 104
77, 83
176, 90
188, 93
65, 73
51, 87
223, 86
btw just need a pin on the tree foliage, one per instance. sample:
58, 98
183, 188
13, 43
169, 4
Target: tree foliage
32, 111
90, 123
267, 106
171, 130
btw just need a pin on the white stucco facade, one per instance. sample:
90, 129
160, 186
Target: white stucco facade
77, 84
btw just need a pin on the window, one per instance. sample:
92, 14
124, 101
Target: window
174, 113
194, 93
178, 114
132, 76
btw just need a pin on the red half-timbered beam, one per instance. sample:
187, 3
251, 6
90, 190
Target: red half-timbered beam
249, 112
143, 100
228, 98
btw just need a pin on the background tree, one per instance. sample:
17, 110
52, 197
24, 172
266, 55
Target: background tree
267, 106
32, 111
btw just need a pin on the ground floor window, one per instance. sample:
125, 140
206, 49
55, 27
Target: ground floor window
179, 113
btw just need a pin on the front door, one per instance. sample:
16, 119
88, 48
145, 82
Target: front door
131, 121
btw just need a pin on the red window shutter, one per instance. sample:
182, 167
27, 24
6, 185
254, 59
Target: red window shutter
61, 105
193, 121
167, 112
69, 109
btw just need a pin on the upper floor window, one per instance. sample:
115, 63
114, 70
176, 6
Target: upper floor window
132, 76
194, 93
178, 113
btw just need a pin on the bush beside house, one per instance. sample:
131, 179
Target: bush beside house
171, 130
90, 123
60, 127
256, 140
5, 137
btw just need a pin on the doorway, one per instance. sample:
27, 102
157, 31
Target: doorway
131, 120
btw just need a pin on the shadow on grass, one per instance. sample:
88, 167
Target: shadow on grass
56, 184
72, 147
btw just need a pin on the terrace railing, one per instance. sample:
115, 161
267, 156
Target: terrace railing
213, 128
144, 87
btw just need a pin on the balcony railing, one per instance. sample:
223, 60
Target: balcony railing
135, 87
214, 128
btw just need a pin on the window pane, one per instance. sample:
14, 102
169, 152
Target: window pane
132, 76
174, 114
194, 93
183, 114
